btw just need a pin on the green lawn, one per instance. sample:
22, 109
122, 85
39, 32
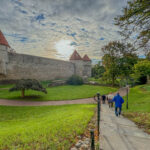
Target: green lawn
139, 106
42, 128
66, 92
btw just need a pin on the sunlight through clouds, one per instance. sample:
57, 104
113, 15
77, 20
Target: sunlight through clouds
64, 48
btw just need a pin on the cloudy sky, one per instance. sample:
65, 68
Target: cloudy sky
54, 28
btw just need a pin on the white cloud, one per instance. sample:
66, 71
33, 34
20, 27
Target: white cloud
81, 21
64, 48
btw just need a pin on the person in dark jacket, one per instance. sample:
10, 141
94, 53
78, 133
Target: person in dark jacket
118, 103
103, 98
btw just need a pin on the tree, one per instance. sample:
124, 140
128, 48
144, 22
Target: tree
142, 67
142, 70
118, 59
135, 21
148, 56
26, 84
126, 64
110, 65
98, 70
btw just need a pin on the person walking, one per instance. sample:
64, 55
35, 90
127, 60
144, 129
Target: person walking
118, 104
109, 99
103, 98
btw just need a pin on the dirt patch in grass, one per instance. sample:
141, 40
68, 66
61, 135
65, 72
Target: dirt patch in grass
141, 119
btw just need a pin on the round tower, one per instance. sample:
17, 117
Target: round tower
4, 47
87, 66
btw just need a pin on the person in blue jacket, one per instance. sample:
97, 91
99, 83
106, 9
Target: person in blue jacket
118, 103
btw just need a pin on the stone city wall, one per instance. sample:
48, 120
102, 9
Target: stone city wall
25, 66
15, 66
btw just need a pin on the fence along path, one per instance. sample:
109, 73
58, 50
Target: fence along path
119, 133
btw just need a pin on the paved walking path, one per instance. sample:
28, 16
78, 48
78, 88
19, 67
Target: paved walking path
119, 133
44, 103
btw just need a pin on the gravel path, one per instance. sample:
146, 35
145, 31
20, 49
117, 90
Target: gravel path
44, 103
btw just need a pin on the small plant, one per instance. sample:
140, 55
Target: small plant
75, 80
26, 84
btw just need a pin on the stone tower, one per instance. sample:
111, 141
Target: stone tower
4, 48
82, 65
78, 62
87, 66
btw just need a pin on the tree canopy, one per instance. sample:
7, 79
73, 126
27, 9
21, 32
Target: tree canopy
118, 59
135, 22
142, 67
26, 84
98, 70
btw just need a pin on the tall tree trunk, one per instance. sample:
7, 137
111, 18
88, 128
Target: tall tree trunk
22, 93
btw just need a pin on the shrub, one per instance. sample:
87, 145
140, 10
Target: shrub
75, 80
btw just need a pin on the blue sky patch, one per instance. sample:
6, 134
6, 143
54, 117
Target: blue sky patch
40, 17
23, 11
23, 39
101, 39
84, 30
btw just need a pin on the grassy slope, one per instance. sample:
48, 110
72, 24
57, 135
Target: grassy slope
48, 127
67, 92
139, 106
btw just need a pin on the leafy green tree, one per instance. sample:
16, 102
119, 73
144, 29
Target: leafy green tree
118, 59
135, 21
26, 84
142, 67
126, 64
148, 56
111, 67
142, 70
98, 70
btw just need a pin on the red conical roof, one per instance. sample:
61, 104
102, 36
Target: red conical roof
86, 58
75, 56
3, 40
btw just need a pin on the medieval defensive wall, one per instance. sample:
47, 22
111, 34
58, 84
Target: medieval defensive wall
14, 66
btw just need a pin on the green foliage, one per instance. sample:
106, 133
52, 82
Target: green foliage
75, 80
141, 71
66, 92
97, 71
43, 127
142, 67
118, 60
136, 20
26, 84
